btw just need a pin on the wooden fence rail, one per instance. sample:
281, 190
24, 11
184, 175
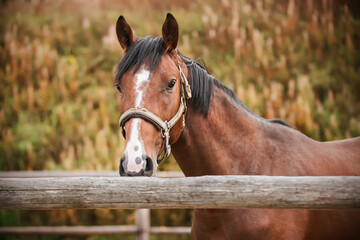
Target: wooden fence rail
91, 230
142, 229
77, 173
193, 192
215, 191
71, 230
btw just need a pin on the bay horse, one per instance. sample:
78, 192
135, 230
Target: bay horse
170, 102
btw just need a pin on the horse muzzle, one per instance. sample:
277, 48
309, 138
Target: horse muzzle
142, 166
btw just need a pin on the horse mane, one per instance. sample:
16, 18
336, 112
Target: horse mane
150, 50
202, 87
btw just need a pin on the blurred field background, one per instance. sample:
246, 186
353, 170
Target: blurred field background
294, 60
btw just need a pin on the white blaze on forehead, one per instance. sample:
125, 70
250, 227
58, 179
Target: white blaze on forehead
142, 78
134, 147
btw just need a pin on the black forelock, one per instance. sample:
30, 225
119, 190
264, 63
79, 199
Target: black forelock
145, 50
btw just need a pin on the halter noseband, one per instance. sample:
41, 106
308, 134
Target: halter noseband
160, 125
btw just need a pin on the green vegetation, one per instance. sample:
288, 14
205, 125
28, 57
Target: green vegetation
59, 110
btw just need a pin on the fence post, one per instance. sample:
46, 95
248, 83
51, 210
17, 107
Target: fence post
143, 224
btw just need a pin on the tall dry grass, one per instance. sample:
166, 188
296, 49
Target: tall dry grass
294, 60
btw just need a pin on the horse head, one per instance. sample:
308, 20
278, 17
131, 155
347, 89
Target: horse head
153, 89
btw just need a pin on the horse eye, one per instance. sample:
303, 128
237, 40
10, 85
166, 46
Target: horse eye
118, 87
171, 84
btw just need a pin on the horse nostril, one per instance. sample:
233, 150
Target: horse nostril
149, 166
121, 167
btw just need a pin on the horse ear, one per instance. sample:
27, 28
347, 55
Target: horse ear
170, 32
124, 32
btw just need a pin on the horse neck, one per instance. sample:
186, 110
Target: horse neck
219, 143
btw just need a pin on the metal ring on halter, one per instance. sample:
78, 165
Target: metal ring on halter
160, 125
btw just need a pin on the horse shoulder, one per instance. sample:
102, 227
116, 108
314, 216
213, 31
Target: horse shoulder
342, 156
286, 151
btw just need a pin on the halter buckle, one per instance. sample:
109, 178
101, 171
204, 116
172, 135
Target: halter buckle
167, 148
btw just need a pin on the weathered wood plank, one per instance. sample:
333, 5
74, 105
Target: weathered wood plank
70, 230
143, 224
90, 230
170, 230
194, 192
77, 173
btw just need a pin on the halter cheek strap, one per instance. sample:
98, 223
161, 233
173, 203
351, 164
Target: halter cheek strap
160, 125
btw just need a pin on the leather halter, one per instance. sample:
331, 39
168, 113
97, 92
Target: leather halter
160, 125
